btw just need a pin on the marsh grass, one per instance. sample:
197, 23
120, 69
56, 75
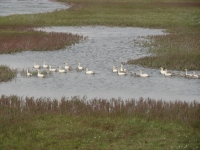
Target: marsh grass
173, 51
17, 41
79, 123
7, 74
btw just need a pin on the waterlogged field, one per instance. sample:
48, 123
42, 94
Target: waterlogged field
107, 122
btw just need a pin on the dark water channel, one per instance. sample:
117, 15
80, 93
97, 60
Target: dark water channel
104, 48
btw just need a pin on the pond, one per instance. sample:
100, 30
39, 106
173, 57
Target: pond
105, 47
10, 7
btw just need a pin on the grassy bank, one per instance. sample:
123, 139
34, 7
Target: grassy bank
180, 49
7, 74
78, 123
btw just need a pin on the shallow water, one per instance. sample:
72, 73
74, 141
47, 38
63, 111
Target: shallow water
104, 48
10, 7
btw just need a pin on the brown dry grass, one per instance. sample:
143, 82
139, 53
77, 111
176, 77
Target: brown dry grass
150, 109
18, 41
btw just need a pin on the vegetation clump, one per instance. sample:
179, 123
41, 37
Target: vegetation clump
7, 74
31, 40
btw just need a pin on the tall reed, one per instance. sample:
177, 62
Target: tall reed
14, 108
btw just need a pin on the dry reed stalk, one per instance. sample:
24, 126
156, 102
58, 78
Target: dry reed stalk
151, 109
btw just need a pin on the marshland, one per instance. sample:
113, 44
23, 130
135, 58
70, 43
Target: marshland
108, 108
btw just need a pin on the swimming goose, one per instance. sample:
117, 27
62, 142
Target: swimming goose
89, 72
52, 69
28, 73
61, 70
40, 75
122, 69
177, 74
114, 69
167, 73
195, 75
66, 66
36, 66
143, 75
162, 71
121, 73
134, 74
187, 75
80, 67
44, 65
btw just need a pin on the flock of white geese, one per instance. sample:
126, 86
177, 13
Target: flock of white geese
58, 69
120, 71
165, 72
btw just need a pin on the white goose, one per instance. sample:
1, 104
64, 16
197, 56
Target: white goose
89, 72
114, 69
40, 75
36, 66
167, 73
44, 65
80, 67
66, 66
187, 75
61, 70
122, 69
121, 73
28, 73
162, 71
195, 75
143, 74
52, 69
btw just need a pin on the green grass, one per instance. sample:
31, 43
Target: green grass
78, 123
7, 74
90, 132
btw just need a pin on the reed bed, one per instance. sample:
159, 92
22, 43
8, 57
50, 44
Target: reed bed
79, 123
15, 107
17, 41
7, 74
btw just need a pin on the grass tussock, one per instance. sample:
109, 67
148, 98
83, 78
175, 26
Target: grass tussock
7, 74
78, 123
35, 41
